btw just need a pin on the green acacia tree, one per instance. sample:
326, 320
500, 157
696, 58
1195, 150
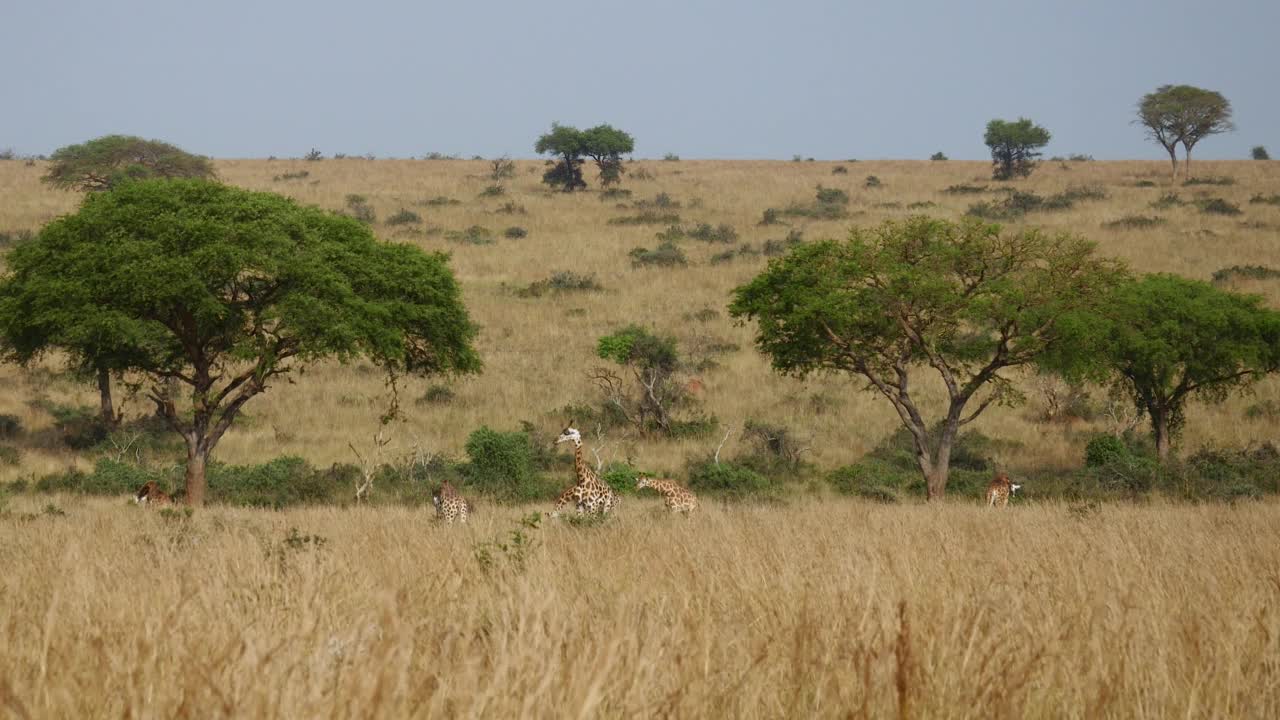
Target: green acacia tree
97, 166
1014, 147
606, 145
224, 290
967, 300
1183, 115
567, 145
1162, 340
652, 361
103, 163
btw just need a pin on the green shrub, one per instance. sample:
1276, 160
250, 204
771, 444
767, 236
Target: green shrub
474, 235
1244, 272
511, 208
493, 191
440, 201
562, 281
501, 465
1209, 180
965, 189
10, 426
727, 479
404, 217
1168, 200
359, 208
722, 233
614, 193
279, 483
109, 477
1259, 152
769, 217
671, 157
437, 395
938, 156
921, 205
872, 480
1260, 199
667, 254
80, 427
1218, 206
872, 182
515, 233
648, 217
1134, 222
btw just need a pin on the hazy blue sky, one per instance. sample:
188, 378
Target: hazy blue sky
713, 78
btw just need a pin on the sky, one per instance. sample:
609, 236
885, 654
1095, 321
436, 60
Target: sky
698, 78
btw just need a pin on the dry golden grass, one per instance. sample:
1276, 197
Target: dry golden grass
816, 609
537, 351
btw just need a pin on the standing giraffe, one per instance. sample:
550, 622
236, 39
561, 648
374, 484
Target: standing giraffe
676, 497
589, 495
999, 491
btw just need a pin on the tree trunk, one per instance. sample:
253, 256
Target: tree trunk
1173, 158
1186, 166
104, 393
936, 468
1160, 428
197, 459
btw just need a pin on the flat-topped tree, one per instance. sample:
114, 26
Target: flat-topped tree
606, 145
224, 290
103, 163
1183, 114
567, 145
97, 166
968, 300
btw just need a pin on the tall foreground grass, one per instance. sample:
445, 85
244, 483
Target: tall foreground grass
814, 609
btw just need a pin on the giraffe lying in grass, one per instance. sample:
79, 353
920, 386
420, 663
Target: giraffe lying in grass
151, 494
589, 495
676, 497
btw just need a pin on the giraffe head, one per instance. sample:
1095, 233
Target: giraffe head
643, 482
570, 434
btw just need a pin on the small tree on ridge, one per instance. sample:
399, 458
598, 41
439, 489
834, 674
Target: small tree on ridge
1014, 147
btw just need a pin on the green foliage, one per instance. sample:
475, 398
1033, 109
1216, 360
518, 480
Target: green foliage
634, 345
359, 208
965, 299
515, 232
965, 189
561, 281
1014, 147
165, 277
566, 143
1244, 272
938, 156
10, 426
474, 235
404, 217
438, 395
1134, 222
1168, 200
648, 217
722, 233
313, 156
501, 465
1218, 206
671, 157
1260, 199
606, 145
1164, 339
1019, 203
1259, 152
829, 204
666, 254
1210, 180
872, 182
728, 480
104, 163
440, 201
1183, 114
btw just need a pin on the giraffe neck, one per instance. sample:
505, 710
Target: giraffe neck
580, 464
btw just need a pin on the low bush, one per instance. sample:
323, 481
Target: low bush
493, 191
1244, 272
1218, 206
1209, 180
1260, 199
722, 233
614, 193
440, 201
964, 189
501, 465
872, 182
1168, 200
515, 232
728, 480
359, 208
839, 170
938, 156
10, 426
666, 254
474, 235
404, 217
292, 175
1145, 183
769, 217
647, 217
1134, 222
561, 281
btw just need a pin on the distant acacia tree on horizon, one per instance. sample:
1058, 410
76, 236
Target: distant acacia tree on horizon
604, 144
1183, 115
1014, 147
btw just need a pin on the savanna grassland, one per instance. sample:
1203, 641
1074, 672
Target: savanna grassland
812, 606
537, 350
841, 609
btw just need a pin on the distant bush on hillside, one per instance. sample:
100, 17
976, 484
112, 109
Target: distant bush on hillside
474, 235
1209, 180
1134, 222
1218, 206
938, 156
666, 254
404, 217
1244, 272
1259, 153
964, 189
1260, 199
648, 217
359, 208
561, 281
704, 232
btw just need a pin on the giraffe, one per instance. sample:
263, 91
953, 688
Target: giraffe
450, 505
999, 491
676, 497
151, 494
589, 495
